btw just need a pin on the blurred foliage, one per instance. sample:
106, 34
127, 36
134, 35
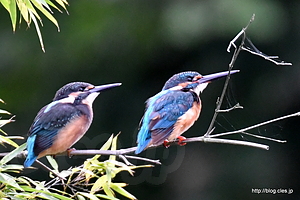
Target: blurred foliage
27, 9
83, 182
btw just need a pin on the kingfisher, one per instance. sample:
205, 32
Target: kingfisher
61, 123
174, 110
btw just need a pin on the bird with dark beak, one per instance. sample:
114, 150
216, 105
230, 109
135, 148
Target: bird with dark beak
61, 123
174, 110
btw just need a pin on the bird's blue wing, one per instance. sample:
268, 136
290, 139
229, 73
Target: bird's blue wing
163, 111
45, 127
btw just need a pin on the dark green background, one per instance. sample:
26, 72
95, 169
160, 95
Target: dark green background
142, 44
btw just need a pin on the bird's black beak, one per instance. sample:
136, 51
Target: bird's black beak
211, 77
104, 87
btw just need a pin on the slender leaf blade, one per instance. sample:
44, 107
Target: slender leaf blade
12, 154
118, 188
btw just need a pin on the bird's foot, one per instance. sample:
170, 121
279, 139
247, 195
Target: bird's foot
181, 140
69, 151
166, 144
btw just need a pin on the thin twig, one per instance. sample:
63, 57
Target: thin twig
144, 159
231, 64
125, 160
256, 125
232, 42
236, 106
266, 57
263, 137
50, 170
226, 141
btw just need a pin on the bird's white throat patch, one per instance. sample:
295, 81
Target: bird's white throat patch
90, 99
200, 88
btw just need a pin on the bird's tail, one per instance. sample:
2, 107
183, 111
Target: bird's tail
142, 145
31, 157
144, 139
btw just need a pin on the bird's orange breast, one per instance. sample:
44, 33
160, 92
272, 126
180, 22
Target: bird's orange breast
185, 121
68, 136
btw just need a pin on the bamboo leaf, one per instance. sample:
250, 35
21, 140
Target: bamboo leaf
108, 191
37, 30
62, 3
47, 194
53, 163
13, 14
99, 184
24, 11
6, 121
10, 6
39, 6
80, 197
8, 141
103, 196
4, 112
118, 188
105, 146
12, 154
88, 195
114, 147
31, 9
5, 4
52, 5
43, 2
9, 180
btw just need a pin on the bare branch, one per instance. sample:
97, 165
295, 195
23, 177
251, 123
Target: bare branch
144, 159
236, 106
226, 141
266, 57
232, 42
257, 125
263, 137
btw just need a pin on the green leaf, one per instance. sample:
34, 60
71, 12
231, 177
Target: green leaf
37, 30
53, 163
118, 188
105, 146
12, 168
80, 197
108, 191
114, 147
12, 154
62, 3
7, 141
103, 196
9, 180
5, 121
99, 184
52, 5
90, 196
24, 11
39, 6
10, 6
4, 112
49, 195
31, 9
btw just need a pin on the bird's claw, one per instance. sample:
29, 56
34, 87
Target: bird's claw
69, 151
166, 144
181, 140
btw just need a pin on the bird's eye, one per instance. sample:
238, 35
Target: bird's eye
190, 78
81, 89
